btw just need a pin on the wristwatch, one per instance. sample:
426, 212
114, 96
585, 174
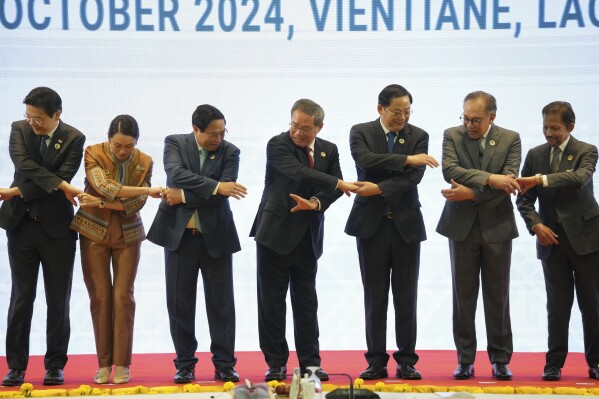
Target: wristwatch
102, 204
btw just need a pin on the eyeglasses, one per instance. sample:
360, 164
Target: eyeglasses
475, 121
398, 112
215, 135
294, 127
34, 120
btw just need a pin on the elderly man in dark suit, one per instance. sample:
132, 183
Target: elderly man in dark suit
481, 161
391, 157
559, 174
303, 178
36, 213
194, 224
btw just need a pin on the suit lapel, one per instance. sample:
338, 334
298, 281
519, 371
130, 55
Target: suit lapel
210, 160
379, 138
193, 153
544, 159
404, 138
55, 144
569, 155
320, 156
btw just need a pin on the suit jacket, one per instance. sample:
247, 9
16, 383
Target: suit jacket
568, 198
37, 178
287, 172
101, 180
182, 166
461, 162
397, 181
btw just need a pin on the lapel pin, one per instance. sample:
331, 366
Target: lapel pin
138, 168
212, 157
323, 154
401, 141
57, 146
492, 142
570, 157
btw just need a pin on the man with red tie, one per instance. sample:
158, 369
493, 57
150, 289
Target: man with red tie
303, 178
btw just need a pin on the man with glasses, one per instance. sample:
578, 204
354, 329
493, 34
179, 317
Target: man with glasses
36, 213
481, 161
195, 225
391, 157
559, 174
303, 178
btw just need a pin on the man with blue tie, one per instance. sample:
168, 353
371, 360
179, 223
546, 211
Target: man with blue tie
195, 226
36, 213
391, 157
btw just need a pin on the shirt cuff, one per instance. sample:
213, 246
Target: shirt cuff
318, 201
183, 196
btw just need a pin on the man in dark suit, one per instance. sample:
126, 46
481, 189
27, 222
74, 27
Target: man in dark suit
386, 220
303, 178
559, 174
481, 161
36, 214
195, 226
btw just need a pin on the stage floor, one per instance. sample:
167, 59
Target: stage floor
436, 367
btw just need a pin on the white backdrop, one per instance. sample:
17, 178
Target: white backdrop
150, 59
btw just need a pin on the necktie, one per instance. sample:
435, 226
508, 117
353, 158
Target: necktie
481, 146
203, 154
43, 146
196, 214
310, 157
391, 141
554, 167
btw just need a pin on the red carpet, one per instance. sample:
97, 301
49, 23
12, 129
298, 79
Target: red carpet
152, 370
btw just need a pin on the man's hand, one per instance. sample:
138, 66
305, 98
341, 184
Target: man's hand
8, 193
366, 188
506, 183
155, 192
303, 204
70, 191
346, 187
526, 183
172, 196
458, 192
421, 160
545, 235
232, 189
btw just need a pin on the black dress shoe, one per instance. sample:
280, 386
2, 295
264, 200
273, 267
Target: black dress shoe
184, 375
374, 372
276, 373
407, 371
54, 377
551, 373
14, 378
501, 372
594, 373
464, 371
226, 374
320, 373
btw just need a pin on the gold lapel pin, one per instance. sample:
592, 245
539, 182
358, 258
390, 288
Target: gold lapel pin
492, 142
57, 146
570, 157
401, 141
323, 154
138, 168
212, 156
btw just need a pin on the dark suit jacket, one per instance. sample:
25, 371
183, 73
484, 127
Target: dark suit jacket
37, 178
569, 197
461, 162
182, 166
397, 181
287, 172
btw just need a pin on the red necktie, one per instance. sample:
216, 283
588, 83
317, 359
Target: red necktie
310, 158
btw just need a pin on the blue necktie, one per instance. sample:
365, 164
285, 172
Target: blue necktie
391, 141
43, 146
